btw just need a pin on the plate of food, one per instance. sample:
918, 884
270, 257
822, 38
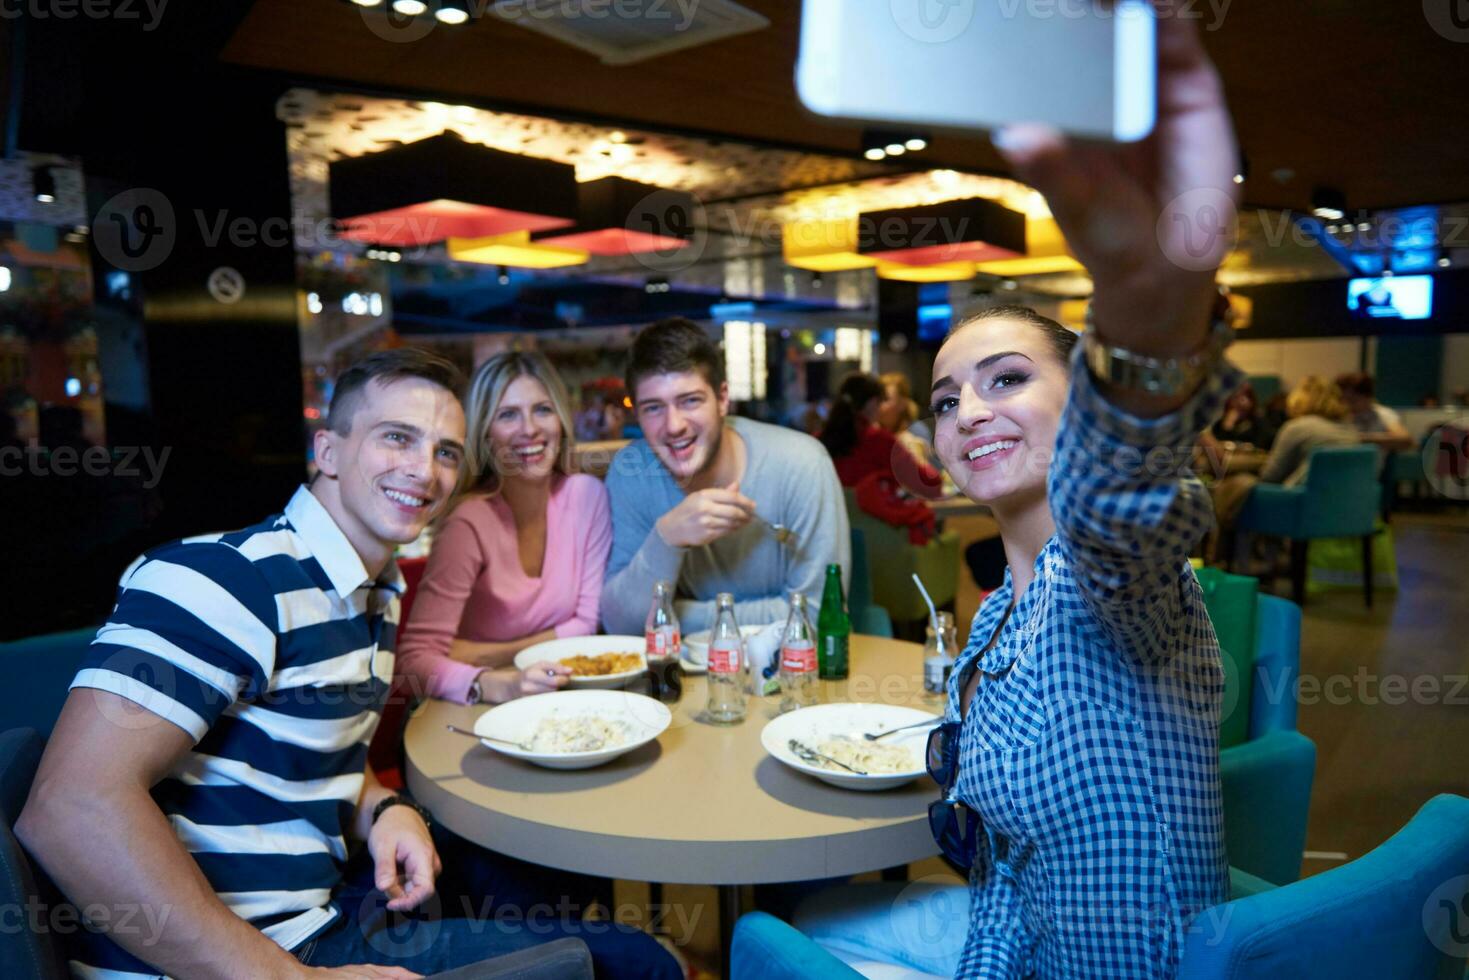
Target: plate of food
695, 657
603, 662
573, 729
826, 741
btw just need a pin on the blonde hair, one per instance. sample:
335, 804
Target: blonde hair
898, 381
1315, 396
486, 389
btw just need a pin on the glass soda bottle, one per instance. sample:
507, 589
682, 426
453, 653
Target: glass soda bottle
833, 628
726, 677
939, 654
797, 659
663, 646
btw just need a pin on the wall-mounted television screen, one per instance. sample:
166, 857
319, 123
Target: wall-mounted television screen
1391, 298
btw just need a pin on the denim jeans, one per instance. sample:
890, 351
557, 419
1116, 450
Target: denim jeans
917, 927
484, 905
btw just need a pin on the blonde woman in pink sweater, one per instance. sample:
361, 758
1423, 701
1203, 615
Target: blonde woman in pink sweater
521, 559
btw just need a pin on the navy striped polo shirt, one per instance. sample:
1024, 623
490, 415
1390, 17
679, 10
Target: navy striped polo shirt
273, 648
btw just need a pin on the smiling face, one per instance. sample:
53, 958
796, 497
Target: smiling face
999, 389
524, 433
396, 466
682, 417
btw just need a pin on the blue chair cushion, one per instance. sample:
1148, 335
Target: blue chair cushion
23, 951
765, 948
1398, 911
39, 670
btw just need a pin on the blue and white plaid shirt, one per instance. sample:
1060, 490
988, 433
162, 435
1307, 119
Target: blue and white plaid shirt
1091, 747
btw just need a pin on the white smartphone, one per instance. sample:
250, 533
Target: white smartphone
1087, 69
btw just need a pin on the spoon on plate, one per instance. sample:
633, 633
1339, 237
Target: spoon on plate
807, 754
489, 738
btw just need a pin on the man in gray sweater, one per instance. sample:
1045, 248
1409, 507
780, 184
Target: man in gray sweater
686, 497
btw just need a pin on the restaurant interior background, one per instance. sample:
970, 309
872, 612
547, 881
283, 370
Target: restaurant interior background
254, 131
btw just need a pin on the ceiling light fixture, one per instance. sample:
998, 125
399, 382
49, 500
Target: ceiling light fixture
410, 8
616, 216
451, 12
972, 229
445, 187
1328, 203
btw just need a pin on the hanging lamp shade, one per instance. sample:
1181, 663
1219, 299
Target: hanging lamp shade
1045, 252
828, 245
616, 216
938, 272
515, 249
443, 187
971, 230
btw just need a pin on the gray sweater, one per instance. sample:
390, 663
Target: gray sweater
1291, 452
792, 481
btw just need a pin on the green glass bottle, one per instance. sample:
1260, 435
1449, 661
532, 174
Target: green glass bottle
833, 628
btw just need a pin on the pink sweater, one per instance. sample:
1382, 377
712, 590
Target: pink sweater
475, 589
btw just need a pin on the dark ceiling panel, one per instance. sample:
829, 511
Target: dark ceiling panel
1359, 94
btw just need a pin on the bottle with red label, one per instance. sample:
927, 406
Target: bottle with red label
798, 687
663, 647
726, 677
661, 629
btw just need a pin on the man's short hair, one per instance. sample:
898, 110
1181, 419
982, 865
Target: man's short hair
1357, 383
674, 346
385, 367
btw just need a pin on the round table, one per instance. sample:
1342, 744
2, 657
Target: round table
703, 804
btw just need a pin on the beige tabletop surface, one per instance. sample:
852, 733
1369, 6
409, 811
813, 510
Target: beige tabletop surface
703, 804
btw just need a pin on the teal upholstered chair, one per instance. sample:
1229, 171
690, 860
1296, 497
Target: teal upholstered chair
866, 616
1267, 779
891, 562
38, 671
1339, 499
1399, 911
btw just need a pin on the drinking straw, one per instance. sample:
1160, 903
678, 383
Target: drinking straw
932, 612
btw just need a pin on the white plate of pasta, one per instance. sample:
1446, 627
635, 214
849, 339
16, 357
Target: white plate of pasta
573, 729
596, 662
835, 731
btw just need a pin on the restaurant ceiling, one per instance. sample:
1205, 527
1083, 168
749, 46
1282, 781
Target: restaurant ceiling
1355, 94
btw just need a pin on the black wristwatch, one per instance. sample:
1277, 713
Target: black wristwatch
399, 800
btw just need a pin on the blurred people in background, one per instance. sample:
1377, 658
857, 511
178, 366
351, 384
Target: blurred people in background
1275, 413
1376, 423
861, 446
686, 496
589, 419
1317, 418
900, 417
520, 561
1243, 422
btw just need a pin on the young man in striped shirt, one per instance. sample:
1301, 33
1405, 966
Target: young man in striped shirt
209, 766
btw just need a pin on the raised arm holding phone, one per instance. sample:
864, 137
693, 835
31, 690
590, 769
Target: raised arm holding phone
1079, 755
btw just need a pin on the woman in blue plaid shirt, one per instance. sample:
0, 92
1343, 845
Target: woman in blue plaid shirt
1079, 757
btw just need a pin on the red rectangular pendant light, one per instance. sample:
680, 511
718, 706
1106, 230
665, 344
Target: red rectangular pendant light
443, 187
623, 217
972, 229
